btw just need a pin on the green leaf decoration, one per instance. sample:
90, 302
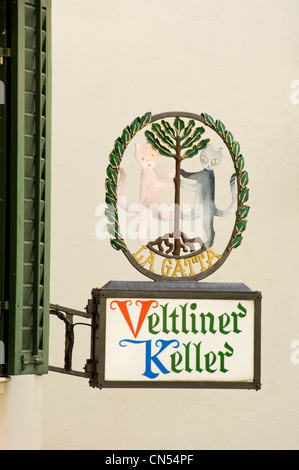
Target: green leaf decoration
202, 144
244, 179
194, 137
229, 138
236, 242
156, 144
118, 147
241, 226
118, 244
244, 212
145, 120
150, 137
196, 148
163, 139
188, 129
111, 174
220, 127
126, 136
244, 195
113, 230
161, 134
209, 120
111, 203
114, 160
240, 163
168, 129
135, 126
110, 188
236, 149
179, 125
191, 152
111, 216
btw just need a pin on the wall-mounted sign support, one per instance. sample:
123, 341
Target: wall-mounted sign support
189, 213
168, 335
67, 315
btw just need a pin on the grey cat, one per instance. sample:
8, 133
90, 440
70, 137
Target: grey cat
204, 189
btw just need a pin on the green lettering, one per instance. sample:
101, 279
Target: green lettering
193, 319
187, 357
174, 316
153, 321
221, 354
210, 362
184, 327
193, 323
197, 366
175, 363
223, 324
235, 317
203, 323
164, 309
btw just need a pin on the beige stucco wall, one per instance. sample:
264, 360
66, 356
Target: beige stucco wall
21, 413
113, 61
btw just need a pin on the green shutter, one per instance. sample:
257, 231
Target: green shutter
27, 321
3, 145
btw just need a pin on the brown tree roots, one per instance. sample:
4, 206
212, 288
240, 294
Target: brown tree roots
175, 246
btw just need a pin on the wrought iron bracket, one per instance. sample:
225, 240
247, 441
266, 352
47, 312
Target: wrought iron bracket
67, 316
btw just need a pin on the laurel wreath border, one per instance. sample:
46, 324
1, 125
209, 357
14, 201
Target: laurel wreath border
242, 178
115, 158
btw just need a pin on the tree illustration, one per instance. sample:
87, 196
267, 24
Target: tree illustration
180, 142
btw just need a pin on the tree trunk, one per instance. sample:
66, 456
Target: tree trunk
177, 198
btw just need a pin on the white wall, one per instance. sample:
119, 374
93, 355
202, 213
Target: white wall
236, 60
21, 411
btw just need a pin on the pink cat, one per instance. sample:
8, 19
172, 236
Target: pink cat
150, 188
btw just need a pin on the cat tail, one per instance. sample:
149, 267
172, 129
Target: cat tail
122, 199
233, 205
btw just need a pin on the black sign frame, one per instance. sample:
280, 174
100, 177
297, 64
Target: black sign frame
188, 290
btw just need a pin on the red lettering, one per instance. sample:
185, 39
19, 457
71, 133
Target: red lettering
145, 306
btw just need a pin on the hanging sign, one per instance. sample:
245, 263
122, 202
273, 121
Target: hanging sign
177, 195
176, 207
188, 337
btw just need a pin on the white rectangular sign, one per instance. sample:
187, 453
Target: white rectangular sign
155, 341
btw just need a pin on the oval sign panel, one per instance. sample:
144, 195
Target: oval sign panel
176, 195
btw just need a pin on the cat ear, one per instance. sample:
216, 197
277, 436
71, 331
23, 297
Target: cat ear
206, 150
150, 147
219, 153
